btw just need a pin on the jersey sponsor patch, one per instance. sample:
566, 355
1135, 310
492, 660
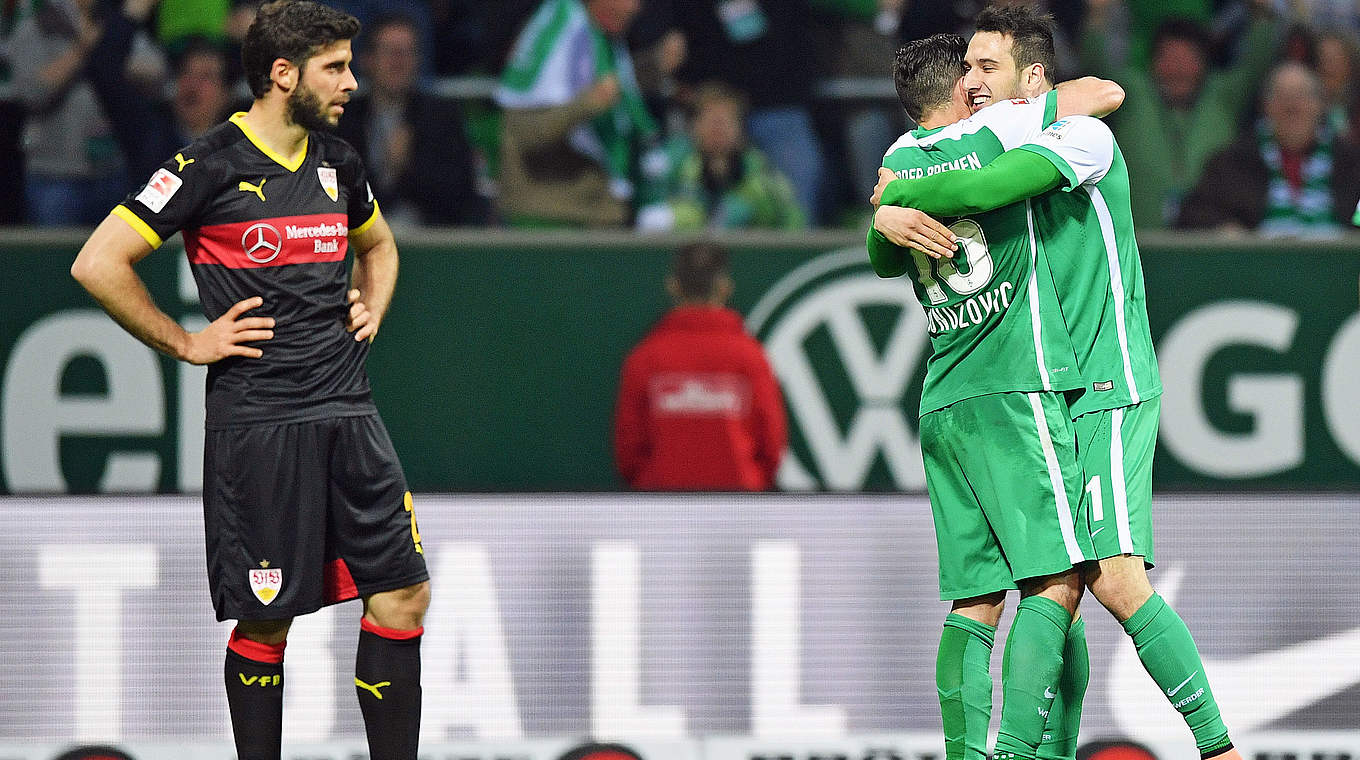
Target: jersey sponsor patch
265, 583
1058, 129
159, 190
1104, 385
310, 239
329, 183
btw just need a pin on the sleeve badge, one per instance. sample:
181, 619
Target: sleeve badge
329, 183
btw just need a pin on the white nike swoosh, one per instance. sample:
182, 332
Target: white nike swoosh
1181, 685
1143, 711
1048, 693
1097, 530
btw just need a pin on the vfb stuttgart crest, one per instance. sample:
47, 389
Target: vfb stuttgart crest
849, 349
265, 583
329, 183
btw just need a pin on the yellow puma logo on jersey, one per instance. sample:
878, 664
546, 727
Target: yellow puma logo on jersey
373, 688
249, 188
182, 161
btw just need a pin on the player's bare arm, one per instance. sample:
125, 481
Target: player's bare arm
1089, 96
374, 278
104, 267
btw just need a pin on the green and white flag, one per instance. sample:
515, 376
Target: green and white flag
559, 55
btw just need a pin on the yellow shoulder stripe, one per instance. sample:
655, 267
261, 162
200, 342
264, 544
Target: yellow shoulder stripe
135, 222
361, 229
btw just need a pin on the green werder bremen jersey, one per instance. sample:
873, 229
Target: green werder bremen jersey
992, 312
1087, 236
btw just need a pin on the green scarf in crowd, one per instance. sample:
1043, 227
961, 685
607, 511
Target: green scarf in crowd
1307, 211
559, 55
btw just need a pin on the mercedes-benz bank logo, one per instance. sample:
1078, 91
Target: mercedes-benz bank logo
844, 429
262, 243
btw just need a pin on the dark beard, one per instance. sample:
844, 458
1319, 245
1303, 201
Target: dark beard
304, 110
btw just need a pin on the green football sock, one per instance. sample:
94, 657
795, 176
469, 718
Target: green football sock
1029, 673
963, 679
1064, 717
1169, 655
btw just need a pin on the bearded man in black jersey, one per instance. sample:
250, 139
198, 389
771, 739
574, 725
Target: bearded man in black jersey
304, 501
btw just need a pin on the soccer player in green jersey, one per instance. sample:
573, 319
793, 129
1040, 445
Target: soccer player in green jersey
1087, 234
999, 452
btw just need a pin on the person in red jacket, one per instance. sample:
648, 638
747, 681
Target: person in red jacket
699, 408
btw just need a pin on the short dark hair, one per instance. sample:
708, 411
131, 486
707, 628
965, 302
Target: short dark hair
200, 46
926, 72
697, 268
1185, 29
1031, 34
293, 30
389, 19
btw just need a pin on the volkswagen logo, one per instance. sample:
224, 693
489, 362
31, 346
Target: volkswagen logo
846, 389
261, 243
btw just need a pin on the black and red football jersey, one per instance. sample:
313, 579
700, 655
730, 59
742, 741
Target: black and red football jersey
257, 224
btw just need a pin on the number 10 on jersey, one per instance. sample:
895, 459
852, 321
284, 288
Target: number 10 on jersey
971, 252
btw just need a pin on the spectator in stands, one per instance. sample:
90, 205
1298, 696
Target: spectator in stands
698, 405
762, 48
413, 143
1289, 175
1336, 15
1181, 112
716, 180
74, 171
420, 12
854, 39
149, 127
1338, 60
202, 95
574, 118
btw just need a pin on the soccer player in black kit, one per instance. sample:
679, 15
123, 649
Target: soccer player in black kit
304, 501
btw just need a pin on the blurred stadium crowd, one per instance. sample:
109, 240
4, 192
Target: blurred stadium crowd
1241, 115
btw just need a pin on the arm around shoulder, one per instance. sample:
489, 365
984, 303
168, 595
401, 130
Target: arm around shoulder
1013, 176
1089, 96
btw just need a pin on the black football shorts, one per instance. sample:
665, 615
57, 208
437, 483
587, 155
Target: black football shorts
304, 514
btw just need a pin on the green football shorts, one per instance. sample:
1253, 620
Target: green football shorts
1116, 500
1004, 488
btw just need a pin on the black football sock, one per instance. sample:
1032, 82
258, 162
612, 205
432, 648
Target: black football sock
387, 680
254, 677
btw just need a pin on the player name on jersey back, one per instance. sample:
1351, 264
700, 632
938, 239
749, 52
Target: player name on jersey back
970, 161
